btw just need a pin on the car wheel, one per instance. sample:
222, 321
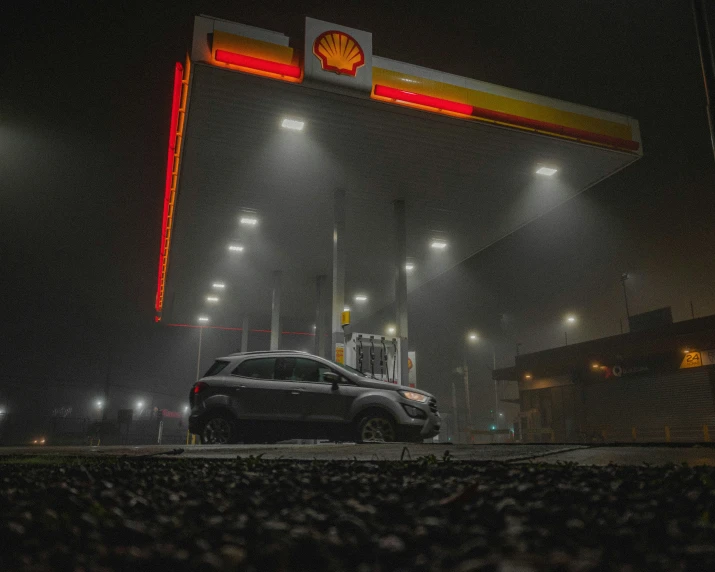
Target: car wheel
376, 427
219, 429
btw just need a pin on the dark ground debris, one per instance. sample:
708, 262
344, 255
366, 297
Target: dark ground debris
425, 514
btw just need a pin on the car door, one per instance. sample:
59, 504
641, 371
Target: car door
322, 403
260, 396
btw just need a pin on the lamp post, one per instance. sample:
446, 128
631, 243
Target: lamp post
474, 338
569, 321
624, 277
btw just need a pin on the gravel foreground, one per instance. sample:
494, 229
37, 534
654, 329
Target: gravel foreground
427, 514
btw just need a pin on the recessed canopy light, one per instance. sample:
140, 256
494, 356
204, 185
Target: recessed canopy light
212, 298
409, 266
361, 298
346, 309
235, 248
293, 124
249, 220
203, 319
548, 171
218, 285
391, 330
439, 244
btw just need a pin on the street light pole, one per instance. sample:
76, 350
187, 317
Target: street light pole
624, 277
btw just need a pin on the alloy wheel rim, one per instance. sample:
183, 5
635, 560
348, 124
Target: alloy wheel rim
377, 429
217, 431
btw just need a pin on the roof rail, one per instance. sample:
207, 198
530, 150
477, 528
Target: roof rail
269, 352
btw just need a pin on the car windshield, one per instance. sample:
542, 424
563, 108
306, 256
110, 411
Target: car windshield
350, 369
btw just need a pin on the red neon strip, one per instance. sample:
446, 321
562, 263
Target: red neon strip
554, 128
421, 99
257, 63
437, 103
238, 329
175, 102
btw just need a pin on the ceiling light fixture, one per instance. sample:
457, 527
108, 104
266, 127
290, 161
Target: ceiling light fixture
235, 248
439, 244
293, 124
203, 319
361, 298
249, 220
218, 285
547, 171
212, 298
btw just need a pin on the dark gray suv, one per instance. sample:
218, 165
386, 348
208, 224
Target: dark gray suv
272, 396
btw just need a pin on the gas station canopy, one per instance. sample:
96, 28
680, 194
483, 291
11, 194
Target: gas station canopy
265, 138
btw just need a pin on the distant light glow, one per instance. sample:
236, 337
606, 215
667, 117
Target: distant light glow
293, 124
186, 408
249, 220
203, 319
439, 244
570, 319
547, 171
527, 376
218, 285
494, 427
140, 404
391, 330
346, 309
361, 298
409, 266
235, 248
99, 404
501, 415
595, 366
212, 298
474, 337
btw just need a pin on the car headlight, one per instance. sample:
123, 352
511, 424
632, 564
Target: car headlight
413, 396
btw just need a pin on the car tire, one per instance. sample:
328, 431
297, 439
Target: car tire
219, 428
376, 426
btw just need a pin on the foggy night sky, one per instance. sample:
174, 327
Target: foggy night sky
84, 112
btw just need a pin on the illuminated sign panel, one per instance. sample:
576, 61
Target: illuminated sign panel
338, 52
337, 55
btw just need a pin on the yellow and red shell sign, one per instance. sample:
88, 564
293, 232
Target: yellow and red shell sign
338, 52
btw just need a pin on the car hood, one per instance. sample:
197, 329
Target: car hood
377, 384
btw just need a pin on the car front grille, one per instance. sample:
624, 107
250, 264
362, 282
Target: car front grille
433, 405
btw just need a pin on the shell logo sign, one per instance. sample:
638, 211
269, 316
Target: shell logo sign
338, 52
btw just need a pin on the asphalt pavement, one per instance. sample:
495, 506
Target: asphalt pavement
602, 455
425, 507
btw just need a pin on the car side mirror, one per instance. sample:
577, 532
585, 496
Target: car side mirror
333, 378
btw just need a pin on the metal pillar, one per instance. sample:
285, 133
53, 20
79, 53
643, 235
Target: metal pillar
198, 357
320, 316
276, 311
707, 61
244, 333
465, 373
338, 268
401, 286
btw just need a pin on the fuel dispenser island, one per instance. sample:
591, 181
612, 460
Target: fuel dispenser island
374, 355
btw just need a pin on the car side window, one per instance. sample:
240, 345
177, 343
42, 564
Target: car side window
257, 368
311, 370
306, 370
285, 366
